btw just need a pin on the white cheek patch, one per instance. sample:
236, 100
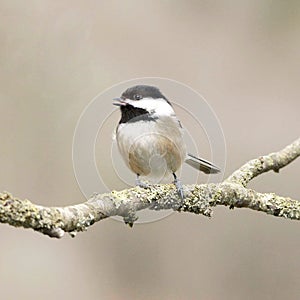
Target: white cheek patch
159, 107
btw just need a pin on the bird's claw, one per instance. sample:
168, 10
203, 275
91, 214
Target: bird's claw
140, 183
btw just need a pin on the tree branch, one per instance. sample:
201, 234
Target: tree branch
199, 199
273, 161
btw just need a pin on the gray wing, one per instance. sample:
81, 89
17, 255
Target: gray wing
201, 164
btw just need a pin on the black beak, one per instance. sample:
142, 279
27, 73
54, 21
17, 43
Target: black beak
119, 101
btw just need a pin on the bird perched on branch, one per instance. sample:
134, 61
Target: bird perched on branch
150, 137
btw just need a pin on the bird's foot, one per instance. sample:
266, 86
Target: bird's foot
140, 183
179, 187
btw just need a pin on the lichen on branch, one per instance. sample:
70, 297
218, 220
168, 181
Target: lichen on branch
199, 199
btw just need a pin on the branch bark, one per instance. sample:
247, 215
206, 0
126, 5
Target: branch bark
199, 199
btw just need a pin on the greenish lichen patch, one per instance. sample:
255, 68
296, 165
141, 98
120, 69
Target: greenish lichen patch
199, 199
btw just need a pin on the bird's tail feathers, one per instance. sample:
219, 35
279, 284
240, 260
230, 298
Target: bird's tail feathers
201, 164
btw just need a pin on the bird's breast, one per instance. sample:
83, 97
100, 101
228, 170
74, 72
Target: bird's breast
151, 148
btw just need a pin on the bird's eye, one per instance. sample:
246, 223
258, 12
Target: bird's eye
137, 97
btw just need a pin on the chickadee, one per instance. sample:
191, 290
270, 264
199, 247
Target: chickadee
150, 137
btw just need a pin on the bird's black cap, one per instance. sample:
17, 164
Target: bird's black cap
138, 92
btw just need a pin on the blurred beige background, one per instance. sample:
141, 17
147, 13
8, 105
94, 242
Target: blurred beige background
55, 56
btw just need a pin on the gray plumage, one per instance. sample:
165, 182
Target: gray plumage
150, 137
201, 164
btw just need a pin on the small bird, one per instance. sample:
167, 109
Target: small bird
150, 137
